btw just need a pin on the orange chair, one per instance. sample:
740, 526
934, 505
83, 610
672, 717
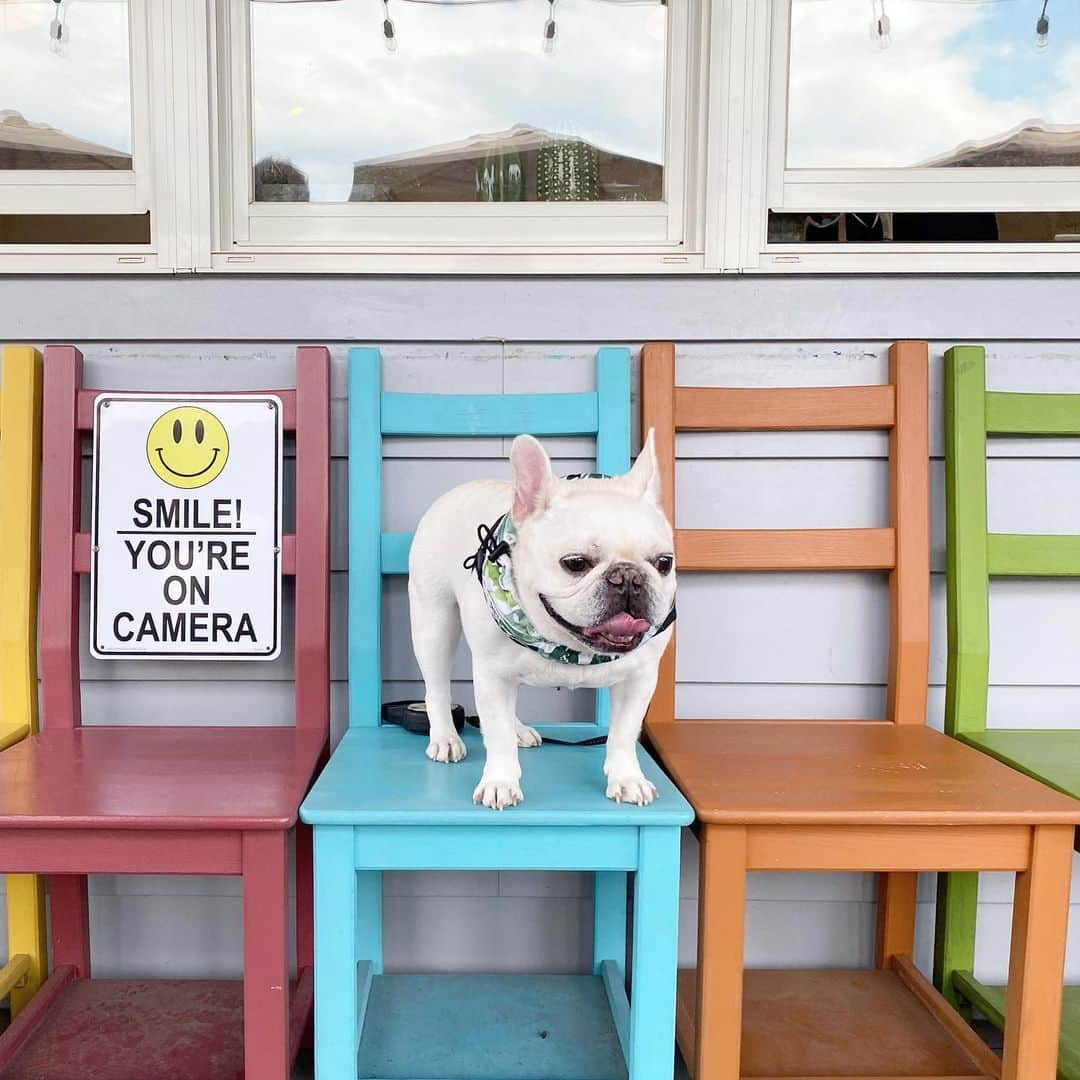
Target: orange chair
892, 796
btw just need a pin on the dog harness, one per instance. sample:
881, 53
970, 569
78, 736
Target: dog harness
491, 564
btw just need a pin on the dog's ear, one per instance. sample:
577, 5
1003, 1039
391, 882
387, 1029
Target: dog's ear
534, 482
644, 477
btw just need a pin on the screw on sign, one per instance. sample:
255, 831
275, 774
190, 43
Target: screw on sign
186, 527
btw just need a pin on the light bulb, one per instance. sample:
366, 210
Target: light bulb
388, 34
881, 31
551, 34
1042, 31
58, 31
551, 31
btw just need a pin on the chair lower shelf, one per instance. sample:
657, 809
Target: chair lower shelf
493, 1027
990, 1002
853, 1024
113, 1029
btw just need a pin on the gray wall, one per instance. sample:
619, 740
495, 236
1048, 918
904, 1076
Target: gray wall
784, 645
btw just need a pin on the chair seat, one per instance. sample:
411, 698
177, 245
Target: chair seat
1051, 756
381, 776
990, 1001
126, 1029
841, 1023
501, 1027
798, 772
158, 778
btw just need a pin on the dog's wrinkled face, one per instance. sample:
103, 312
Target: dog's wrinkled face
594, 562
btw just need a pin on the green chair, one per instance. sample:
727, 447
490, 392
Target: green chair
976, 555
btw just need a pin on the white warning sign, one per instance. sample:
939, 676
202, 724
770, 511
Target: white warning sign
186, 531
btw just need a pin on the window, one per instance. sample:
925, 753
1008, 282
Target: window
540, 136
455, 125
73, 155
900, 127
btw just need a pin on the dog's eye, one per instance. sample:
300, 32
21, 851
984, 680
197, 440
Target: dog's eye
664, 564
576, 564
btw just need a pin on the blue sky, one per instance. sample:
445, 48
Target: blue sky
956, 71
1011, 24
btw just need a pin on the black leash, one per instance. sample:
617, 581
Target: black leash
412, 716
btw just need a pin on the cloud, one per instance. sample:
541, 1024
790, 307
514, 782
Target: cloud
84, 92
460, 70
955, 72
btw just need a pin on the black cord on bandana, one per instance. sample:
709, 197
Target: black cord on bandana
488, 549
596, 740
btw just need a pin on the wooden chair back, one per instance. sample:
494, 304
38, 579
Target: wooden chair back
374, 413
68, 416
974, 554
902, 548
20, 462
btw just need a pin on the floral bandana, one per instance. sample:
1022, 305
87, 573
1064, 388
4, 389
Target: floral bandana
491, 564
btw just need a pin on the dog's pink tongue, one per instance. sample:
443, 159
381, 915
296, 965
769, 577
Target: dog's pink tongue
622, 625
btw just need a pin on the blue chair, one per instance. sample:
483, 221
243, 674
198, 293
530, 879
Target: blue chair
381, 805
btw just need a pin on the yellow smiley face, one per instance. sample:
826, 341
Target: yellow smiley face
187, 447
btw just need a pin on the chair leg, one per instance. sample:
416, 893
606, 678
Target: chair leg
336, 1020
721, 923
305, 898
69, 911
305, 916
26, 933
1037, 957
656, 948
895, 916
266, 956
954, 937
369, 918
609, 919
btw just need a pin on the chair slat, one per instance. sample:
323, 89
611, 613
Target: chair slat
785, 549
1032, 414
816, 408
13, 973
395, 552
1032, 555
84, 415
463, 415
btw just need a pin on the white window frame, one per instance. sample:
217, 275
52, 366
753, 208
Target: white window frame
772, 186
449, 237
169, 170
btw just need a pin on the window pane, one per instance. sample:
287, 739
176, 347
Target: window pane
468, 107
74, 228
65, 108
926, 227
956, 84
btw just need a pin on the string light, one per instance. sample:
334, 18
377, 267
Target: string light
1042, 29
550, 29
389, 36
58, 31
880, 26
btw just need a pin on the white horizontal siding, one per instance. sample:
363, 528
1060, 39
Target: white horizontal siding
751, 646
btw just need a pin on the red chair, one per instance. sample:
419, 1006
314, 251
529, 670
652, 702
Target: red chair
167, 800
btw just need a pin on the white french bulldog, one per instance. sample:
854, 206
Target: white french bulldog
574, 585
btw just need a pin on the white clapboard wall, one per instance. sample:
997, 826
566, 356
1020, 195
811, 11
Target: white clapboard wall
751, 646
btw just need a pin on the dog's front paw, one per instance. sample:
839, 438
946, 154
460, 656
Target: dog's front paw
630, 788
526, 736
446, 748
497, 792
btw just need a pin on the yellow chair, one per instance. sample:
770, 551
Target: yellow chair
20, 459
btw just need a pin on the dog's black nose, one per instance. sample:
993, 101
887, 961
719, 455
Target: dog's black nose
626, 576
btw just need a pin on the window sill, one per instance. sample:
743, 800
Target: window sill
503, 262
